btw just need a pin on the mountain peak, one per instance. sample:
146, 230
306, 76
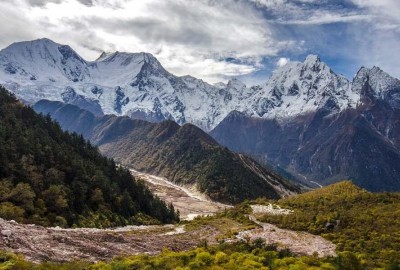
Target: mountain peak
188, 78
43, 60
312, 59
379, 85
44, 40
121, 60
235, 115
37, 44
150, 59
220, 85
236, 84
314, 64
301, 87
41, 40
102, 55
376, 69
361, 73
42, 47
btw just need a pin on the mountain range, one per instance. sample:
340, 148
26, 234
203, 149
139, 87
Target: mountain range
137, 85
361, 143
305, 119
131, 84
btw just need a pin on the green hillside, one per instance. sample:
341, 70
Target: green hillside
51, 177
356, 220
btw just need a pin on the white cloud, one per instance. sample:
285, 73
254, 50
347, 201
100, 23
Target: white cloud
387, 12
187, 36
379, 41
269, 3
282, 61
328, 18
371, 28
209, 39
302, 12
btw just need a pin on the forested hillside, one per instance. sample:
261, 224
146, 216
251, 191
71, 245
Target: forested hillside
51, 177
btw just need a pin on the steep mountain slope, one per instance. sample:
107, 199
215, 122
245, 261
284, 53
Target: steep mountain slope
51, 177
185, 155
360, 143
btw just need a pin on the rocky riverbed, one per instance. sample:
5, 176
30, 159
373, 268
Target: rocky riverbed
187, 200
38, 243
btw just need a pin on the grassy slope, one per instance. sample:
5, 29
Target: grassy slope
368, 223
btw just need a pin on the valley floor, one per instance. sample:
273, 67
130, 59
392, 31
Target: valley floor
38, 243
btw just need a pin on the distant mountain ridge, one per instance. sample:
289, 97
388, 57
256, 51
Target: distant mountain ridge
360, 143
184, 154
137, 85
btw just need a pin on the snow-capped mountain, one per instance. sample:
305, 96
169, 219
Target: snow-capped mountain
298, 88
351, 134
133, 84
136, 85
382, 86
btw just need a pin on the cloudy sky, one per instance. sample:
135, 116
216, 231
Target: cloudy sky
217, 39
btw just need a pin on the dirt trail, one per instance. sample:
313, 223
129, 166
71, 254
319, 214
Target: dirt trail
189, 202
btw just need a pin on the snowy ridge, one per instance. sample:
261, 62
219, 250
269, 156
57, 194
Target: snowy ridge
136, 84
298, 88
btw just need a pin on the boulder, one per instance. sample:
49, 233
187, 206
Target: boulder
6, 233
